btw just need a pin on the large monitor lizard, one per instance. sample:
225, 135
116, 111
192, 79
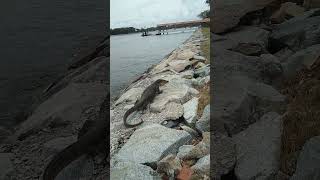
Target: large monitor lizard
146, 98
88, 140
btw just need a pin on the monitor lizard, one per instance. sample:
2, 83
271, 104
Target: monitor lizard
146, 98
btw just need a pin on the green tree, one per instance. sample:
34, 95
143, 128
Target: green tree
206, 13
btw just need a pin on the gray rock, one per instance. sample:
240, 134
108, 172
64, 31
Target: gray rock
172, 92
200, 150
233, 106
262, 137
249, 49
203, 124
308, 161
68, 105
184, 151
4, 133
187, 74
223, 155
173, 111
302, 59
309, 4
6, 165
202, 167
170, 165
190, 109
185, 54
81, 168
130, 96
287, 9
133, 171
297, 33
57, 144
151, 143
227, 14
199, 58
201, 72
179, 65
284, 54
270, 68
267, 98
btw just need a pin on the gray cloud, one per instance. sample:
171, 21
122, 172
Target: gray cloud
146, 13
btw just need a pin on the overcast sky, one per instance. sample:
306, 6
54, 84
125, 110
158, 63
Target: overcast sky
146, 13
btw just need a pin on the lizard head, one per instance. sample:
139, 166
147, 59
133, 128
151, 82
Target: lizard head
161, 82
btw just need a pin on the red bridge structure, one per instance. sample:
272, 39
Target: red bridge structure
185, 24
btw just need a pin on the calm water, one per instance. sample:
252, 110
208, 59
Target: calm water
38, 38
133, 54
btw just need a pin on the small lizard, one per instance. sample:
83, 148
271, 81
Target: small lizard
89, 138
146, 98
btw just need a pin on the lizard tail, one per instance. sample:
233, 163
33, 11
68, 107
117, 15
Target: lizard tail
61, 160
131, 110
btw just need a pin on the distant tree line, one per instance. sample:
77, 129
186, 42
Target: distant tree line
128, 30
206, 13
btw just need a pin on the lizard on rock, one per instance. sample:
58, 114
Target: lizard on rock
146, 98
88, 139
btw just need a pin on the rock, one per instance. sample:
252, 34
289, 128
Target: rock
284, 54
201, 72
185, 54
93, 71
187, 74
308, 161
68, 104
203, 81
302, 59
310, 4
297, 33
172, 92
173, 111
190, 130
190, 109
233, 106
184, 151
95, 47
58, 144
199, 65
249, 49
227, 14
132, 171
202, 167
286, 11
6, 165
199, 58
4, 133
130, 96
262, 137
203, 124
246, 35
170, 165
270, 68
267, 98
223, 155
200, 150
151, 143
179, 65
81, 168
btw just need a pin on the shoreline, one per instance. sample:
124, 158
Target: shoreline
135, 79
168, 113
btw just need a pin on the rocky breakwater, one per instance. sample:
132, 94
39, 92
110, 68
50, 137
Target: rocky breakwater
167, 144
257, 46
55, 122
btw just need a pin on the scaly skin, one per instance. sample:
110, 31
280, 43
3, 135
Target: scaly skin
146, 98
92, 138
